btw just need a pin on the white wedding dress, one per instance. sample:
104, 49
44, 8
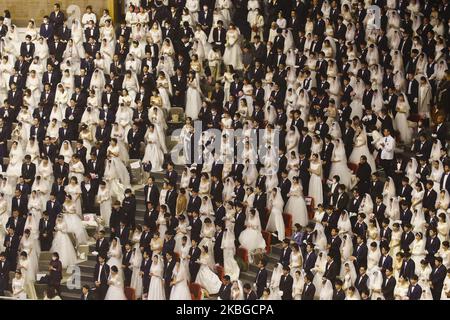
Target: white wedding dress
153, 152
251, 238
136, 260
339, 165
276, 222
104, 198
156, 288
193, 99
206, 278
180, 290
63, 245
296, 205
115, 289
228, 246
116, 174
360, 149
315, 183
232, 55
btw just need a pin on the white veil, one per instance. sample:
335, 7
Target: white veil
326, 291
321, 240
346, 247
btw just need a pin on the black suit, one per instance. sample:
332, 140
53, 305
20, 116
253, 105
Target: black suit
408, 269
88, 193
414, 292
437, 278
361, 283
102, 246
308, 291
129, 206
101, 274
218, 251
360, 253
338, 294
261, 281
309, 261
61, 172
55, 208
251, 296
145, 269
429, 199
27, 49
363, 174
20, 204
196, 227
285, 256
239, 225
46, 234
152, 195
193, 266
331, 271
388, 287
225, 292
285, 285
168, 271
127, 271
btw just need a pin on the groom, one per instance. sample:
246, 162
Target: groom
101, 276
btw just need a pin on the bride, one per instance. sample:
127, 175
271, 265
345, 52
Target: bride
62, 244
73, 221
296, 205
179, 283
115, 255
361, 148
116, 173
193, 96
206, 278
153, 152
232, 55
401, 117
165, 89
16, 156
339, 164
115, 289
98, 84
275, 206
231, 267
251, 238
118, 132
104, 199
156, 288
41, 50
156, 117
315, 182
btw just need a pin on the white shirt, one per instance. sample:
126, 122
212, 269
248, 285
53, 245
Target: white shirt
444, 182
87, 17
99, 272
387, 152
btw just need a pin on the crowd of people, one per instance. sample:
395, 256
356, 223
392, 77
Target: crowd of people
333, 145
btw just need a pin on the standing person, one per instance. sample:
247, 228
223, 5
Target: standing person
286, 283
46, 228
387, 152
437, 278
101, 276
261, 278
168, 274
129, 206
4, 274
115, 286
55, 275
